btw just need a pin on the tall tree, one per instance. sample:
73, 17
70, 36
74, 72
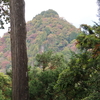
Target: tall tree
18, 50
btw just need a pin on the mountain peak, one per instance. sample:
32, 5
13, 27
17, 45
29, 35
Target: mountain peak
47, 31
47, 13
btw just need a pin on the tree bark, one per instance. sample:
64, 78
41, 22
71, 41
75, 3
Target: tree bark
18, 50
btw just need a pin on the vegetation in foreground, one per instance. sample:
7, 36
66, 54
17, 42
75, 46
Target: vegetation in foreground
52, 78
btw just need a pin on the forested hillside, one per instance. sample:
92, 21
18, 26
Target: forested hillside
53, 71
78, 79
46, 31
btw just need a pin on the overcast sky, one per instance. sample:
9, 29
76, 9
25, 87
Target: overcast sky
74, 11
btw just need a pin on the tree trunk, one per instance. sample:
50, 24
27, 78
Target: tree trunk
18, 50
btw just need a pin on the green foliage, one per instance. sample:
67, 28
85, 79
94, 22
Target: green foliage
1, 95
5, 87
80, 81
87, 41
72, 81
90, 41
49, 60
42, 83
72, 36
94, 96
43, 59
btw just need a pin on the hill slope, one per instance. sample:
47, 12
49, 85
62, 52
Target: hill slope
46, 31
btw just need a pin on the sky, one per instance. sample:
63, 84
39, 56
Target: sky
74, 11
